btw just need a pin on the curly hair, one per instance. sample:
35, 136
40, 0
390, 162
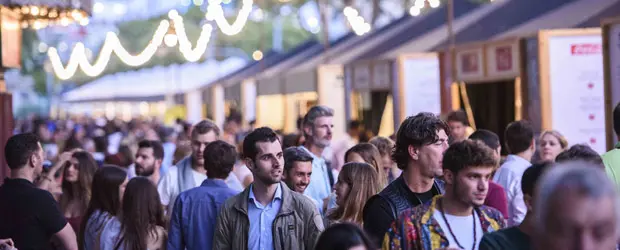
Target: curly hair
416, 131
468, 153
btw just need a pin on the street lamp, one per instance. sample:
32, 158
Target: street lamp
37, 14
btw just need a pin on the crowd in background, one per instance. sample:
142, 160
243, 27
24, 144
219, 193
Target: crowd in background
92, 183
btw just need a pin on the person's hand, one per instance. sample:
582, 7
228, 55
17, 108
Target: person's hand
7, 244
65, 157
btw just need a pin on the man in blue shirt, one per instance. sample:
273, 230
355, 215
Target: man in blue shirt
192, 223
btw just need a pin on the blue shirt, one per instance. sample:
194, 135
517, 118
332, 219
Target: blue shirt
261, 220
319, 187
193, 219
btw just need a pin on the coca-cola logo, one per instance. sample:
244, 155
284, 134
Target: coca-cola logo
586, 49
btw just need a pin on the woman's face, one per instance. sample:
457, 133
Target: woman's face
549, 147
71, 171
121, 189
360, 247
342, 191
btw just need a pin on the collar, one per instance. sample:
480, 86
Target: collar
213, 183
278, 194
518, 159
18, 181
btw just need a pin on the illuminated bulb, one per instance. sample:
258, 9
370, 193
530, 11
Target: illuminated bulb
98, 7
434, 3
313, 22
24, 24
37, 25
43, 12
170, 40
34, 11
414, 11
53, 14
257, 55
419, 4
42, 47
173, 14
64, 21
25, 10
216, 12
84, 21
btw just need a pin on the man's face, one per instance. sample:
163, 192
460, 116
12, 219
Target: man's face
298, 177
199, 143
430, 156
268, 165
471, 184
321, 131
37, 161
575, 221
457, 130
146, 164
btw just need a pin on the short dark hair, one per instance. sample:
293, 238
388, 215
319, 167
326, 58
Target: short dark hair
158, 149
616, 118
468, 153
519, 136
580, 152
205, 126
531, 176
457, 116
295, 154
487, 137
19, 148
220, 158
263, 134
418, 130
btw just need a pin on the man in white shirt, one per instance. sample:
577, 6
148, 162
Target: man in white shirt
520, 143
190, 172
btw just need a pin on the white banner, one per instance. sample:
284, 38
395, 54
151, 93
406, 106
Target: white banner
422, 86
577, 89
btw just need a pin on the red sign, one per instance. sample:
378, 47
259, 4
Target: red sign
586, 49
503, 58
470, 62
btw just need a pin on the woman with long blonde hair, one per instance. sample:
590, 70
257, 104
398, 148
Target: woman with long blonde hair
368, 153
357, 182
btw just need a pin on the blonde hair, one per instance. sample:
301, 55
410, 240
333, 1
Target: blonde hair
371, 155
556, 134
363, 183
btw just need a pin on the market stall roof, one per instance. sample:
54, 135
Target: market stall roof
577, 14
154, 83
432, 30
511, 14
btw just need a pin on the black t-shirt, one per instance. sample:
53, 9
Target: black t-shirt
506, 239
28, 215
378, 216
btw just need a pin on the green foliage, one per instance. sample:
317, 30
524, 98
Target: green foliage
32, 60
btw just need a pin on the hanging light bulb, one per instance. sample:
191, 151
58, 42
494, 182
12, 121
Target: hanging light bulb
171, 40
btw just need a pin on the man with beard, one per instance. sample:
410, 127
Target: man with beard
190, 172
267, 214
457, 219
420, 144
149, 158
317, 128
298, 170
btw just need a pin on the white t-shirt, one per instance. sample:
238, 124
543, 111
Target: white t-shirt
462, 227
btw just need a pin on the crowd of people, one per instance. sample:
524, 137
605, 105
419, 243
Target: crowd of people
435, 184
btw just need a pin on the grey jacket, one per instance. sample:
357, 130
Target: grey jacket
296, 227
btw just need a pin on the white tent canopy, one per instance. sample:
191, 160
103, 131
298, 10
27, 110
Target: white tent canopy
154, 82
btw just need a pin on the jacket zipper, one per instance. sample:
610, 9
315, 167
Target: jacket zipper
280, 233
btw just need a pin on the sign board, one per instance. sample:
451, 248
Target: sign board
470, 64
10, 38
361, 76
419, 85
502, 60
576, 87
381, 76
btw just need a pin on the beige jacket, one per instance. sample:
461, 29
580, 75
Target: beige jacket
296, 227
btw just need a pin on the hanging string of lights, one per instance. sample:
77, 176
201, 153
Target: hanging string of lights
112, 44
357, 22
418, 5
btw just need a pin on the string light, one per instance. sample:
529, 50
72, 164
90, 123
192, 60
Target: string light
357, 22
418, 5
215, 12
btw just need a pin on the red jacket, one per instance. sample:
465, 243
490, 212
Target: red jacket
496, 198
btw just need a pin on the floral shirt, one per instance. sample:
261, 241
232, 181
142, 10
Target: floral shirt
417, 229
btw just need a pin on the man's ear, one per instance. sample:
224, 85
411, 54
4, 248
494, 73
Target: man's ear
158, 162
307, 129
527, 199
249, 163
448, 176
413, 152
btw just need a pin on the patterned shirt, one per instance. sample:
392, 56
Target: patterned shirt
417, 229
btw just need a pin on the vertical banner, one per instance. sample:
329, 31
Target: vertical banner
576, 88
217, 105
419, 85
248, 99
331, 94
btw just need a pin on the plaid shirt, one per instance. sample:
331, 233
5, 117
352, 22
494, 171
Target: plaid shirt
417, 229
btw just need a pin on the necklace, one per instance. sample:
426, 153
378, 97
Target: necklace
443, 214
